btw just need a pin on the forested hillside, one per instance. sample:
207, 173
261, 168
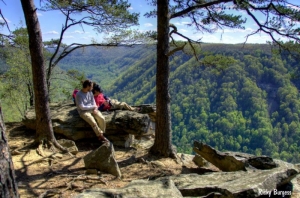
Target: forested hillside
252, 106
104, 64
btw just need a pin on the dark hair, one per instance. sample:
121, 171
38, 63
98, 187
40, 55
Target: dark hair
87, 83
96, 87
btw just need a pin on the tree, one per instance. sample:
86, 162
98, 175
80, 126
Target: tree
280, 21
162, 144
44, 129
8, 184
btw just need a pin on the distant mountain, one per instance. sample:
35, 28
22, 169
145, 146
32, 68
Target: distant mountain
251, 106
103, 64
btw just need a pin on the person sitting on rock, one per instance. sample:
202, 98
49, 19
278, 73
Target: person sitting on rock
74, 95
88, 110
105, 104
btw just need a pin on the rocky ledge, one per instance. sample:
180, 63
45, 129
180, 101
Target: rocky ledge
122, 127
240, 175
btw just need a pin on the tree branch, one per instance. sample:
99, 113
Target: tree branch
198, 5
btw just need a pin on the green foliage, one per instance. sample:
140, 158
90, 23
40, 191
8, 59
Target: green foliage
16, 88
250, 105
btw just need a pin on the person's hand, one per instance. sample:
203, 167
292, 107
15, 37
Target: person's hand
95, 110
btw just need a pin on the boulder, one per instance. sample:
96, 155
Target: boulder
246, 184
149, 109
186, 159
119, 123
138, 188
262, 162
296, 186
103, 159
69, 145
223, 161
233, 161
199, 161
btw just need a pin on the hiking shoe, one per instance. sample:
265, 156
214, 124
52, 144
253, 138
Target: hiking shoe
102, 138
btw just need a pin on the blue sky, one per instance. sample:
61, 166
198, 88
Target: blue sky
51, 23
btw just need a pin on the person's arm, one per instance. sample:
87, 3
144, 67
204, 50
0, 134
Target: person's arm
82, 106
101, 107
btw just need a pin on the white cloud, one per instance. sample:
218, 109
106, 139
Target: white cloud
87, 37
294, 7
181, 23
185, 23
183, 30
78, 32
247, 30
39, 14
177, 24
258, 39
2, 20
69, 37
51, 32
130, 8
148, 24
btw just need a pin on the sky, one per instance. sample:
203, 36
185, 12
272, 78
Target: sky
52, 22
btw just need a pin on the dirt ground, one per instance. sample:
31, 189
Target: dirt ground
67, 176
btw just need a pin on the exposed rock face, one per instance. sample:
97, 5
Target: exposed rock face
262, 162
244, 184
233, 161
103, 159
223, 161
138, 188
69, 145
119, 123
199, 161
296, 186
239, 184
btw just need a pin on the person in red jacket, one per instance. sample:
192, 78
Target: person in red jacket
74, 95
105, 104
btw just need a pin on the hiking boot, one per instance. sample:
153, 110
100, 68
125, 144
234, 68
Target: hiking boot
102, 138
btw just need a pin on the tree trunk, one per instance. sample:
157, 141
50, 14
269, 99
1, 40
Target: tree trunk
163, 134
8, 183
44, 130
31, 96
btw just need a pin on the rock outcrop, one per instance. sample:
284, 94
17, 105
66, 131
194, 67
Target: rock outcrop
69, 145
223, 161
233, 161
119, 123
103, 159
259, 177
138, 188
247, 184
237, 175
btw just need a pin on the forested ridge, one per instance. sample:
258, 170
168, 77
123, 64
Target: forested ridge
104, 64
250, 106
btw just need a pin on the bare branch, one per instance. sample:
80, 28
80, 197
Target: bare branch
190, 41
176, 50
198, 5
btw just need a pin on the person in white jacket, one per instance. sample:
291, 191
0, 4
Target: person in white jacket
88, 109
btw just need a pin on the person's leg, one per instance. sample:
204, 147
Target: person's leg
87, 116
100, 120
121, 105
